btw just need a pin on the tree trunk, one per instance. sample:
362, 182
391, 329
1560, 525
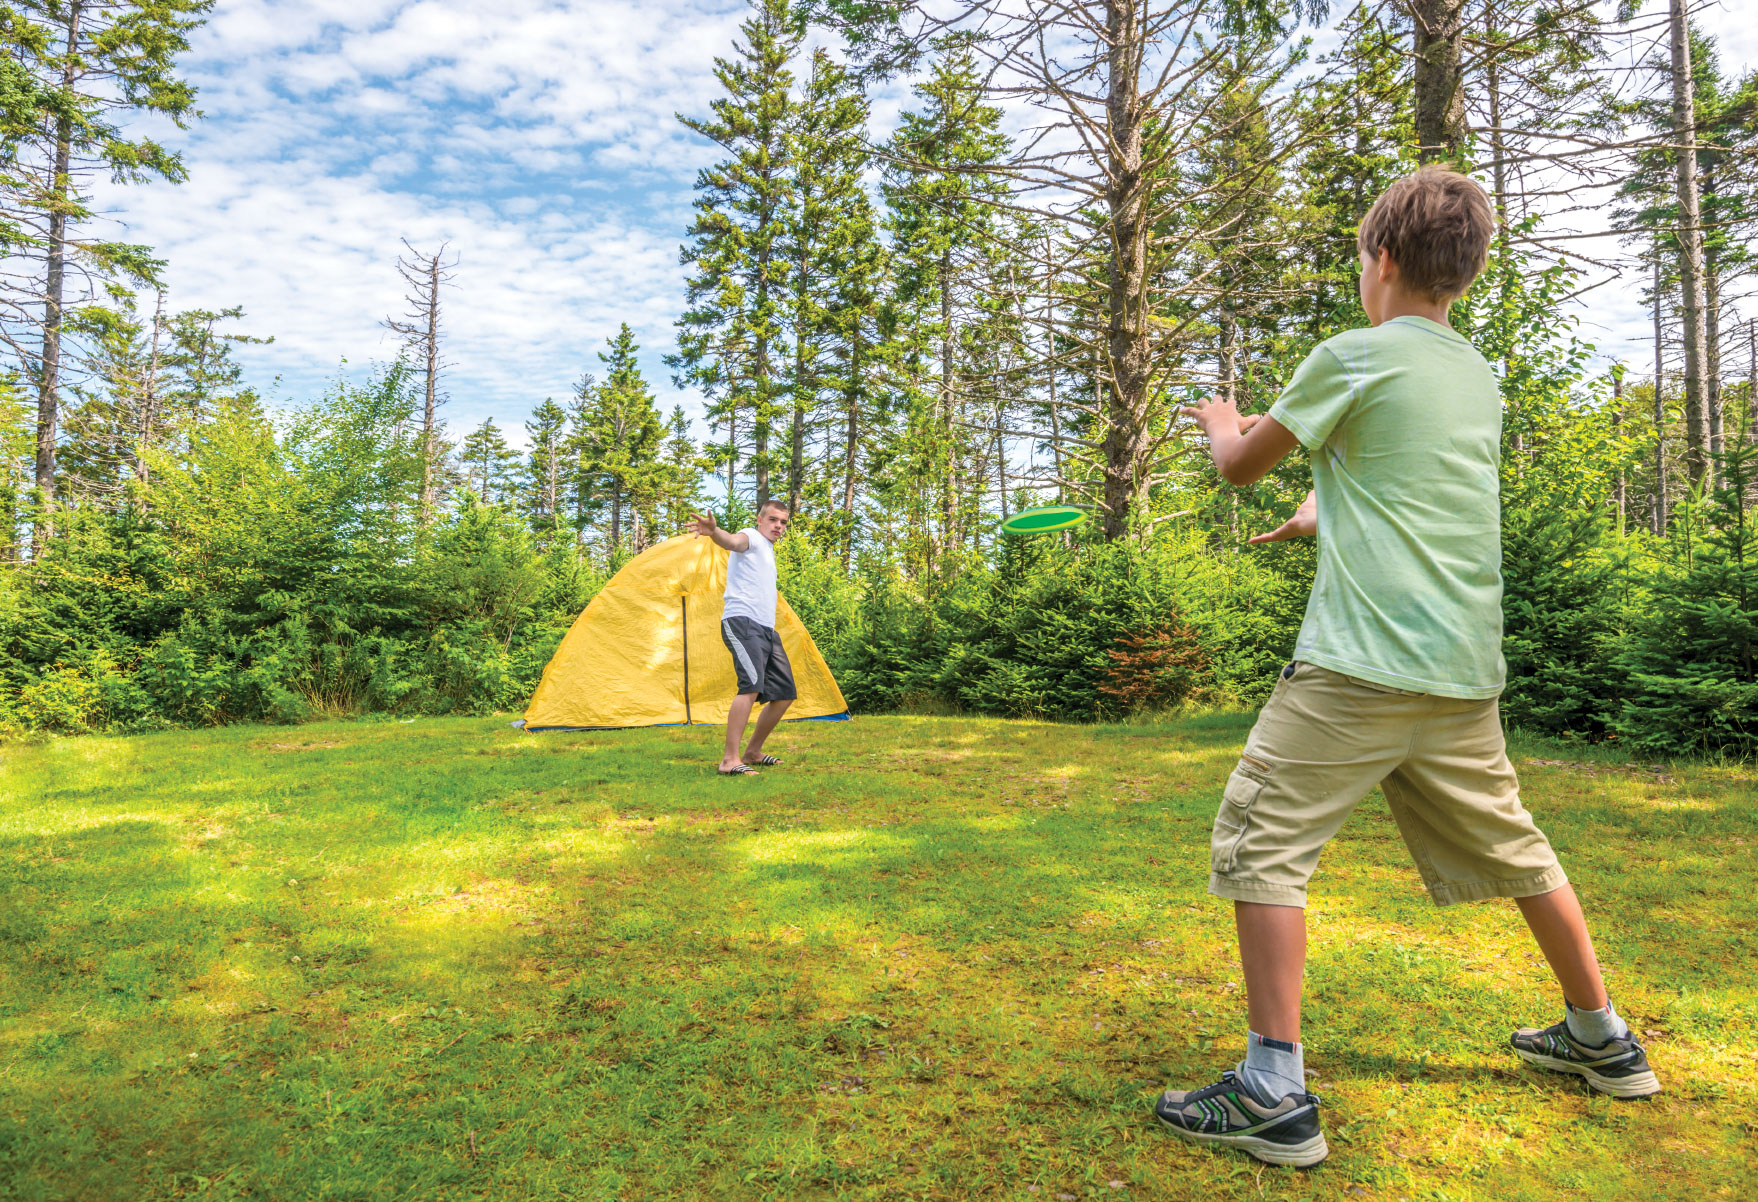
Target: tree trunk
1128, 352
550, 483
852, 398
1657, 512
149, 397
1001, 459
1690, 237
948, 436
429, 450
1712, 345
1752, 375
796, 467
1050, 365
1499, 169
1439, 99
1617, 429
49, 374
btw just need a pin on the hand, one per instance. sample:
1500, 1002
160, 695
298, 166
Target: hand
1304, 524
703, 525
1211, 413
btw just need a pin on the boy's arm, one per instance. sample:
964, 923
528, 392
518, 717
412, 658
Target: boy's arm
1304, 524
704, 526
1243, 448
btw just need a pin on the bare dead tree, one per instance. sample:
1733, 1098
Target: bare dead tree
419, 328
1128, 92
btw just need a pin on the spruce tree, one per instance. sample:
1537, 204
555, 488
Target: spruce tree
94, 61
621, 441
489, 464
731, 340
544, 465
942, 214
832, 250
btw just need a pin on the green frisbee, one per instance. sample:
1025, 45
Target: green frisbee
1044, 519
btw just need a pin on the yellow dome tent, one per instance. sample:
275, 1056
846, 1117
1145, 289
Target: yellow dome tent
648, 652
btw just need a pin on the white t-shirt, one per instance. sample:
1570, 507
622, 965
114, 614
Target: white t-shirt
750, 581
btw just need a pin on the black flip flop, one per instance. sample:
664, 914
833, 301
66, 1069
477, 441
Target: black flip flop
741, 770
767, 761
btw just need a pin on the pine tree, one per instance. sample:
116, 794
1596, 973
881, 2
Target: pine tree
1337, 179
584, 504
941, 216
622, 438
833, 251
95, 60
142, 382
731, 340
680, 493
489, 464
544, 466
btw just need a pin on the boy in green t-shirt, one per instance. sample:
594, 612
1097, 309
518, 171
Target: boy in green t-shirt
1395, 674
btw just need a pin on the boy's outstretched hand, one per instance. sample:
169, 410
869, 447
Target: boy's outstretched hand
703, 525
1211, 413
1304, 524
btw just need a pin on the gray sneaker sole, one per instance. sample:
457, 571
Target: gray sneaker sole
1637, 1085
1299, 1156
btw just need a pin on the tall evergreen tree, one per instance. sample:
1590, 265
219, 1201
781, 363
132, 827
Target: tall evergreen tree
622, 440
832, 249
545, 468
96, 60
732, 338
489, 464
942, 214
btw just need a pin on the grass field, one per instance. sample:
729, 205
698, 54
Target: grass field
929, 958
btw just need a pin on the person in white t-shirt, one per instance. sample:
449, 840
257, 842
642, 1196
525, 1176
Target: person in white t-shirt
747, 626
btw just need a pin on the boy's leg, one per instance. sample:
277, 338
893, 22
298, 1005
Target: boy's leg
1456, 800
1272, 950
772, 712
737, 715
1320, 744
1561, 931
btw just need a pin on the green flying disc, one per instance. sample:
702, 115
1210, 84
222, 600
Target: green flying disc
1044, 520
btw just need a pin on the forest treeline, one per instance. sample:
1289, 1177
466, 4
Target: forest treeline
1086, 215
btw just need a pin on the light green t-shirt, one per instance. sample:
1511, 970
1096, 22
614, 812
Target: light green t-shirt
1404, 422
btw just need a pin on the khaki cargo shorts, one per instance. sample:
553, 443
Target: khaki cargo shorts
1321, 744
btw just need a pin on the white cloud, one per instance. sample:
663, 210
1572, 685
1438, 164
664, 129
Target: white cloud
536, 138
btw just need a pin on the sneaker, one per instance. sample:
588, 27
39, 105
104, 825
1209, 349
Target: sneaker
1228, 1113
1619, 1068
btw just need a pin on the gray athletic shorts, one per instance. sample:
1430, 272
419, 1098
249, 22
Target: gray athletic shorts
759, 659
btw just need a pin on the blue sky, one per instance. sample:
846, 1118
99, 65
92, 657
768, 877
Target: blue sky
536, 137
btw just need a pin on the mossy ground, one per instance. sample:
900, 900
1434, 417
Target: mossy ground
928, 958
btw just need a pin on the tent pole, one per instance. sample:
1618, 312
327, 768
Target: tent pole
685, 602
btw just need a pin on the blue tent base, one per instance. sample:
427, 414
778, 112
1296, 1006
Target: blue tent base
845, 716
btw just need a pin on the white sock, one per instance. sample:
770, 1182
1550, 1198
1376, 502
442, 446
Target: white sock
1273, 1068
1595, 1028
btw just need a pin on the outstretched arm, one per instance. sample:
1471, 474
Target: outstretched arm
1304, 523
704, 526
1243, 448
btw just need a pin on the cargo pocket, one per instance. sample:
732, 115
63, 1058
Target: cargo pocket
1231, 820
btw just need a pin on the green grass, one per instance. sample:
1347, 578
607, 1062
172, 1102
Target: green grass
930, 958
